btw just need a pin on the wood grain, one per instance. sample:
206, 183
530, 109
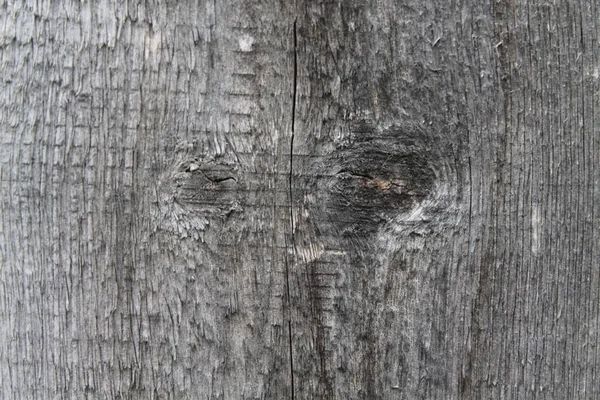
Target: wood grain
267, 200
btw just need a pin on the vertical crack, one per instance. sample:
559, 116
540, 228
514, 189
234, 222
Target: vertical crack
294, 98
293, 128
291, 358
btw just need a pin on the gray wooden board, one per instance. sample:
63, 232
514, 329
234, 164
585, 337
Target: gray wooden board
301, 200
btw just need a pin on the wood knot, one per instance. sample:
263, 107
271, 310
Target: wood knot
381, 173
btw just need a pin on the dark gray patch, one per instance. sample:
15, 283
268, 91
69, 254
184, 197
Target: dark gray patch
207, 186
375, 176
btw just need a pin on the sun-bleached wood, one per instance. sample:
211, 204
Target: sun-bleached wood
299, 200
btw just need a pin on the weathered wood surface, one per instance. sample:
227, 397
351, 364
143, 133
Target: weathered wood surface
249, 199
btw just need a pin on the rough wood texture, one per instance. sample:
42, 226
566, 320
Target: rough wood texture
267, 200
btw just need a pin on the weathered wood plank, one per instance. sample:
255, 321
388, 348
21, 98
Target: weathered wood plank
327, 199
